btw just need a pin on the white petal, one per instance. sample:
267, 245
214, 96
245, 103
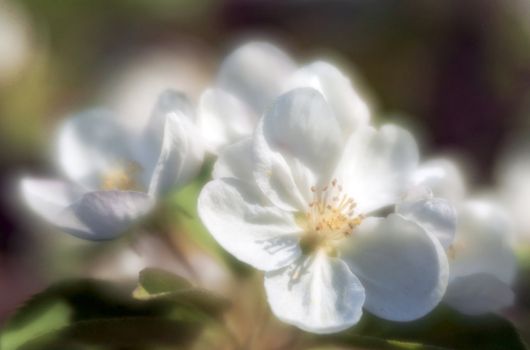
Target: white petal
436, 215
301, 124
443, 177
47, 197
483, 242
90, 145
417, 193
102, 215
317, 294
376, 166
403, 269
255, 72
286, 183
175, 140
297, 144
337, 89
479, 293
224, 119
169, 102
152, 136
235, 161
513, 176
94, 215
242, 222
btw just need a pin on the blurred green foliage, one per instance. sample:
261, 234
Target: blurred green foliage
74, 314
443, 328
168, 311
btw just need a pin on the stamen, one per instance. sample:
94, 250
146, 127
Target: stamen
331, 215
122, 177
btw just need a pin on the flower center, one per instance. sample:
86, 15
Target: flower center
123, 177
330, 218
455, 249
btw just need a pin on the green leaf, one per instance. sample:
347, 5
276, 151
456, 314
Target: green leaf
523, 256
80, 313
202, 299
443, 328
155, 281
116, 333
161, 286
34, 322
364, 342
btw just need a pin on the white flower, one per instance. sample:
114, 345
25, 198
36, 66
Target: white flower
16, 40
513, 176
116, 175
132, 87
299, 200
252, 76
481, 260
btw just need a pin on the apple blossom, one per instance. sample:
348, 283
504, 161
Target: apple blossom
513, 176
304, 202
252, 76
481, 260
115, 175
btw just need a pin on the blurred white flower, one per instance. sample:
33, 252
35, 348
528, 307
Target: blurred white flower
481, 260
252, 76
513, 176
134, 83
300, 200
115, 175
15, 40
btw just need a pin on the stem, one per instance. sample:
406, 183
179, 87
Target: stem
264, 316
294, 343
179, 253
229, 334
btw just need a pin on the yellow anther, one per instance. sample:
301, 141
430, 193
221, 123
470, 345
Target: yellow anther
330, 217
122, 177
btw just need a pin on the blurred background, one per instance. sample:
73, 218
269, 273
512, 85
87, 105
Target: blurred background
456, 72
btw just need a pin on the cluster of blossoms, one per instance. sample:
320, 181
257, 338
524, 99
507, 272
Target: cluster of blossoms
115, 174
338, 213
